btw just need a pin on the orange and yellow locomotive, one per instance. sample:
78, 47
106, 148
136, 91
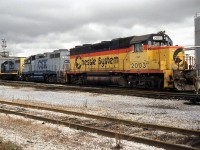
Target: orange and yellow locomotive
147, 61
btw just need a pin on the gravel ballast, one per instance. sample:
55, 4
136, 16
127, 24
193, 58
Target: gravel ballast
158, 111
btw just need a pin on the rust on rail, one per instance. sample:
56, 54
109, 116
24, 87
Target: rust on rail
103, 132
129, 122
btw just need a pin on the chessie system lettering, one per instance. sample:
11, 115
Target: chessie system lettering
79, 61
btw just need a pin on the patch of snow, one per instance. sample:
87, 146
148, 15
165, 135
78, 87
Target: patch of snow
62, 137
172, 112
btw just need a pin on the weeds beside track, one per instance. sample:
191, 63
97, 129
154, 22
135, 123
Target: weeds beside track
105, 131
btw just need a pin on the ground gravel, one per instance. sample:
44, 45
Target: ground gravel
165, 112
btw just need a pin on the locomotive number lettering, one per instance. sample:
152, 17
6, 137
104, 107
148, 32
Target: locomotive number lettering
42, 64
138, 65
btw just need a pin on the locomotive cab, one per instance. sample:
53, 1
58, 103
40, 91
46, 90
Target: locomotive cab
153, 60
150, 42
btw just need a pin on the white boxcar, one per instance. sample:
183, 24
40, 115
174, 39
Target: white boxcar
47, 67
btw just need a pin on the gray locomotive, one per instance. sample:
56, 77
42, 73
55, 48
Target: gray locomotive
46, 67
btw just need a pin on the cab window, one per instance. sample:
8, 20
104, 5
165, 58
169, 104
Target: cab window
138, 47
149, 44
162, 43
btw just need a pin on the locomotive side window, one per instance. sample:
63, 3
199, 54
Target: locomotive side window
57, 55
156, 43
161, 43
149, 44
42, 56
27, 61
138, 47
11, 65
52, 55
33, 57
17, 61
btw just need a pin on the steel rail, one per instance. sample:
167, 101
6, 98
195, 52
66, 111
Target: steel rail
103, 132
86, 88
118, 91
126, 122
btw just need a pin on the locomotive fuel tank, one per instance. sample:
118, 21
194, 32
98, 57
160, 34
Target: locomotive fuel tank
98, 80
37, 78
106, 80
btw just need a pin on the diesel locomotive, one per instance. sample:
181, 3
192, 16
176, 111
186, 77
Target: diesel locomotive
11, 67
147, 61
46, 67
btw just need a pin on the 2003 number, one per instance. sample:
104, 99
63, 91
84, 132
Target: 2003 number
138, 65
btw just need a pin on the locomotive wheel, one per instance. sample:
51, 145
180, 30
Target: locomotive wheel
46, 79
160, 84
149, 85
122, 82
27, 78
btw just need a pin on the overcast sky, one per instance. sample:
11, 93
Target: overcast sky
37, 26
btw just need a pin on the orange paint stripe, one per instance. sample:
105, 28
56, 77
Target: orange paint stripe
145, 71
119, 51
109, 52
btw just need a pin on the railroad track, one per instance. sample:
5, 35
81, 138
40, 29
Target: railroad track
106, 129
191, 96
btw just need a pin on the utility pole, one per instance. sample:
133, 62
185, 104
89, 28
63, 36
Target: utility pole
4, 45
